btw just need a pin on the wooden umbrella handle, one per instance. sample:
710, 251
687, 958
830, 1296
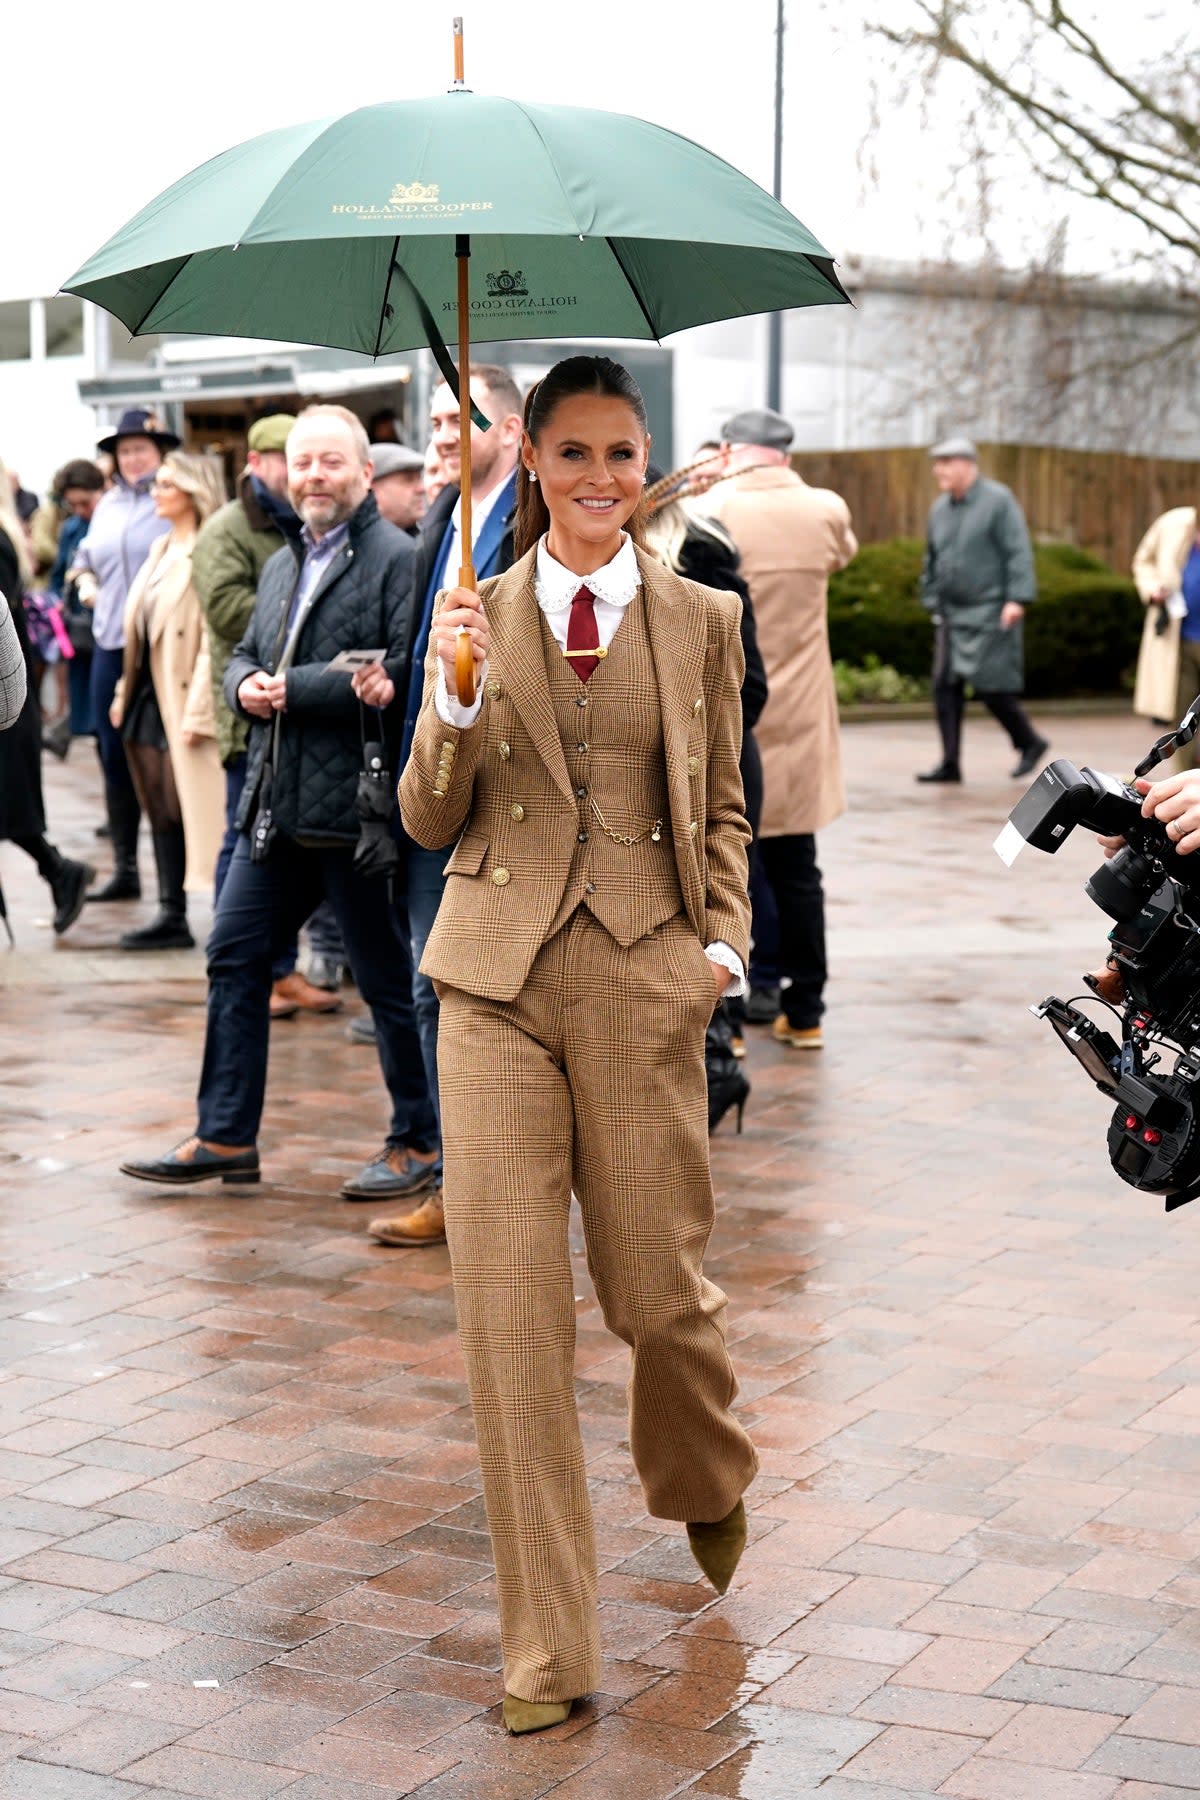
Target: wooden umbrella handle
464, 665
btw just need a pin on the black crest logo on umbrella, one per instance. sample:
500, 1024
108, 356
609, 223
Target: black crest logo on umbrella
507, 285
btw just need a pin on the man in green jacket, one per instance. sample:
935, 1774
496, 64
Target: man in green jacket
977, 581
231, 552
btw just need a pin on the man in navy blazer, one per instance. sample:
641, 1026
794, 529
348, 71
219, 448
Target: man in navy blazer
439, 555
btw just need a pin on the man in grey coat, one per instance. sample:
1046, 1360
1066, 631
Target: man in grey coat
977, 581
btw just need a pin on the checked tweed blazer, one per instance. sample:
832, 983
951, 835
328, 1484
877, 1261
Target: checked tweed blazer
502, 787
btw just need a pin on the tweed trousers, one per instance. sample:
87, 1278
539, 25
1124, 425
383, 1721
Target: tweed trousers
592, 1079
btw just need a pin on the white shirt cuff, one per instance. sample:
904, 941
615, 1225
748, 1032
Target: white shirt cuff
729, 959
453, 712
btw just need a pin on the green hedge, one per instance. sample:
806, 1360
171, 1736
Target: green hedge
1081, 636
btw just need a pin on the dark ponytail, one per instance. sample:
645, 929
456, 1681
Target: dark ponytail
574, 375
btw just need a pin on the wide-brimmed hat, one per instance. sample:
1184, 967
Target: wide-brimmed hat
138, 421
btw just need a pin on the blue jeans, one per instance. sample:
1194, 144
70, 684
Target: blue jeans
262, 907
235, 781
106, 672
426, 881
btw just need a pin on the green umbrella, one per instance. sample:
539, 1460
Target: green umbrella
355, 232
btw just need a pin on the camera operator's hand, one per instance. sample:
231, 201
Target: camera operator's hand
1011, 613
1175, 803
1110, 846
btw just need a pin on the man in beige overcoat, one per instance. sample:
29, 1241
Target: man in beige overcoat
791, 537
1166, 564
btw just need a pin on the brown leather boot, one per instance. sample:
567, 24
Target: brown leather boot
426, 1225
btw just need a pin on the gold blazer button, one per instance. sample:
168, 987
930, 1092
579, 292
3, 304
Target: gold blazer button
494, 690
518, 812
501, 877
503, 750
693, 765
693, 828
696, 705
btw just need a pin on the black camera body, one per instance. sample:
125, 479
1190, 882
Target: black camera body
1152, 980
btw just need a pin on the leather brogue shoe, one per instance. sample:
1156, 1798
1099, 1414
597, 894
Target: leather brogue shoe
193, 1161
395, 1174
295, 993
414, 1230
946, 773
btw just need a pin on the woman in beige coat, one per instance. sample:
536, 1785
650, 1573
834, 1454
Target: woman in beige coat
1168, 671
163, 704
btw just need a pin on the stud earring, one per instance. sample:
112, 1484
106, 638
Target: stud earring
532, 474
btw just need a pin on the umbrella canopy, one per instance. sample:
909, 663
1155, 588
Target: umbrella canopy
338, 232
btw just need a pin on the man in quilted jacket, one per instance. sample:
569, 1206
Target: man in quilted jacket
347, 585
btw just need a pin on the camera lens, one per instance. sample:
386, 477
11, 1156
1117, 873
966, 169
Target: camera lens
1122, 885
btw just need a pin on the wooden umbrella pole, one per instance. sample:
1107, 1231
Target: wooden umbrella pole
464, 656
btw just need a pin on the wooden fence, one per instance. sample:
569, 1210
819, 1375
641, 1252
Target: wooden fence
1099, 501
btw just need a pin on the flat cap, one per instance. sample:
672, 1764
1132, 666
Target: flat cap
271, 433
760, 426
954, 446
395, 459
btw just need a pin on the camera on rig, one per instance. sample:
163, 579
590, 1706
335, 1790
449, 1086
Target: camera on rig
1151, 982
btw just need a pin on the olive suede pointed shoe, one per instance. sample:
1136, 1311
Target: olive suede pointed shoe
718, 1547
521, 1716
194, 1160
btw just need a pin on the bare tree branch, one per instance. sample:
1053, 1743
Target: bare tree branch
1132, 148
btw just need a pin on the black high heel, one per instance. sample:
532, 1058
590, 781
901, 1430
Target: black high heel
727, 1090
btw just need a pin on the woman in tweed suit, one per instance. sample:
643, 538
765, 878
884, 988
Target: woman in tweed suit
595, 910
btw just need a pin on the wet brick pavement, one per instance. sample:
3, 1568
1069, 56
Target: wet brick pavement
242, 1549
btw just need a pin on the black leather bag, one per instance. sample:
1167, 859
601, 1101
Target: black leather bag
728, 1082
79, 630
377, 852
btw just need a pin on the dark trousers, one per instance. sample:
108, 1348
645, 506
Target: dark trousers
106, 672
949, 700
764, 927
235, 781
426, 882
262, 907
790, 867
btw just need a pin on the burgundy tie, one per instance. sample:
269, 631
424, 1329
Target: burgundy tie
583, 639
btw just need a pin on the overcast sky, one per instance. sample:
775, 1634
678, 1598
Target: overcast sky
103, 109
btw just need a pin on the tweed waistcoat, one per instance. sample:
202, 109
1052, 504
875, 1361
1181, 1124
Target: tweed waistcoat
614, 753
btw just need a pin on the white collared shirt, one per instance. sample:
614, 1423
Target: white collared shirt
480, 512
612, 588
